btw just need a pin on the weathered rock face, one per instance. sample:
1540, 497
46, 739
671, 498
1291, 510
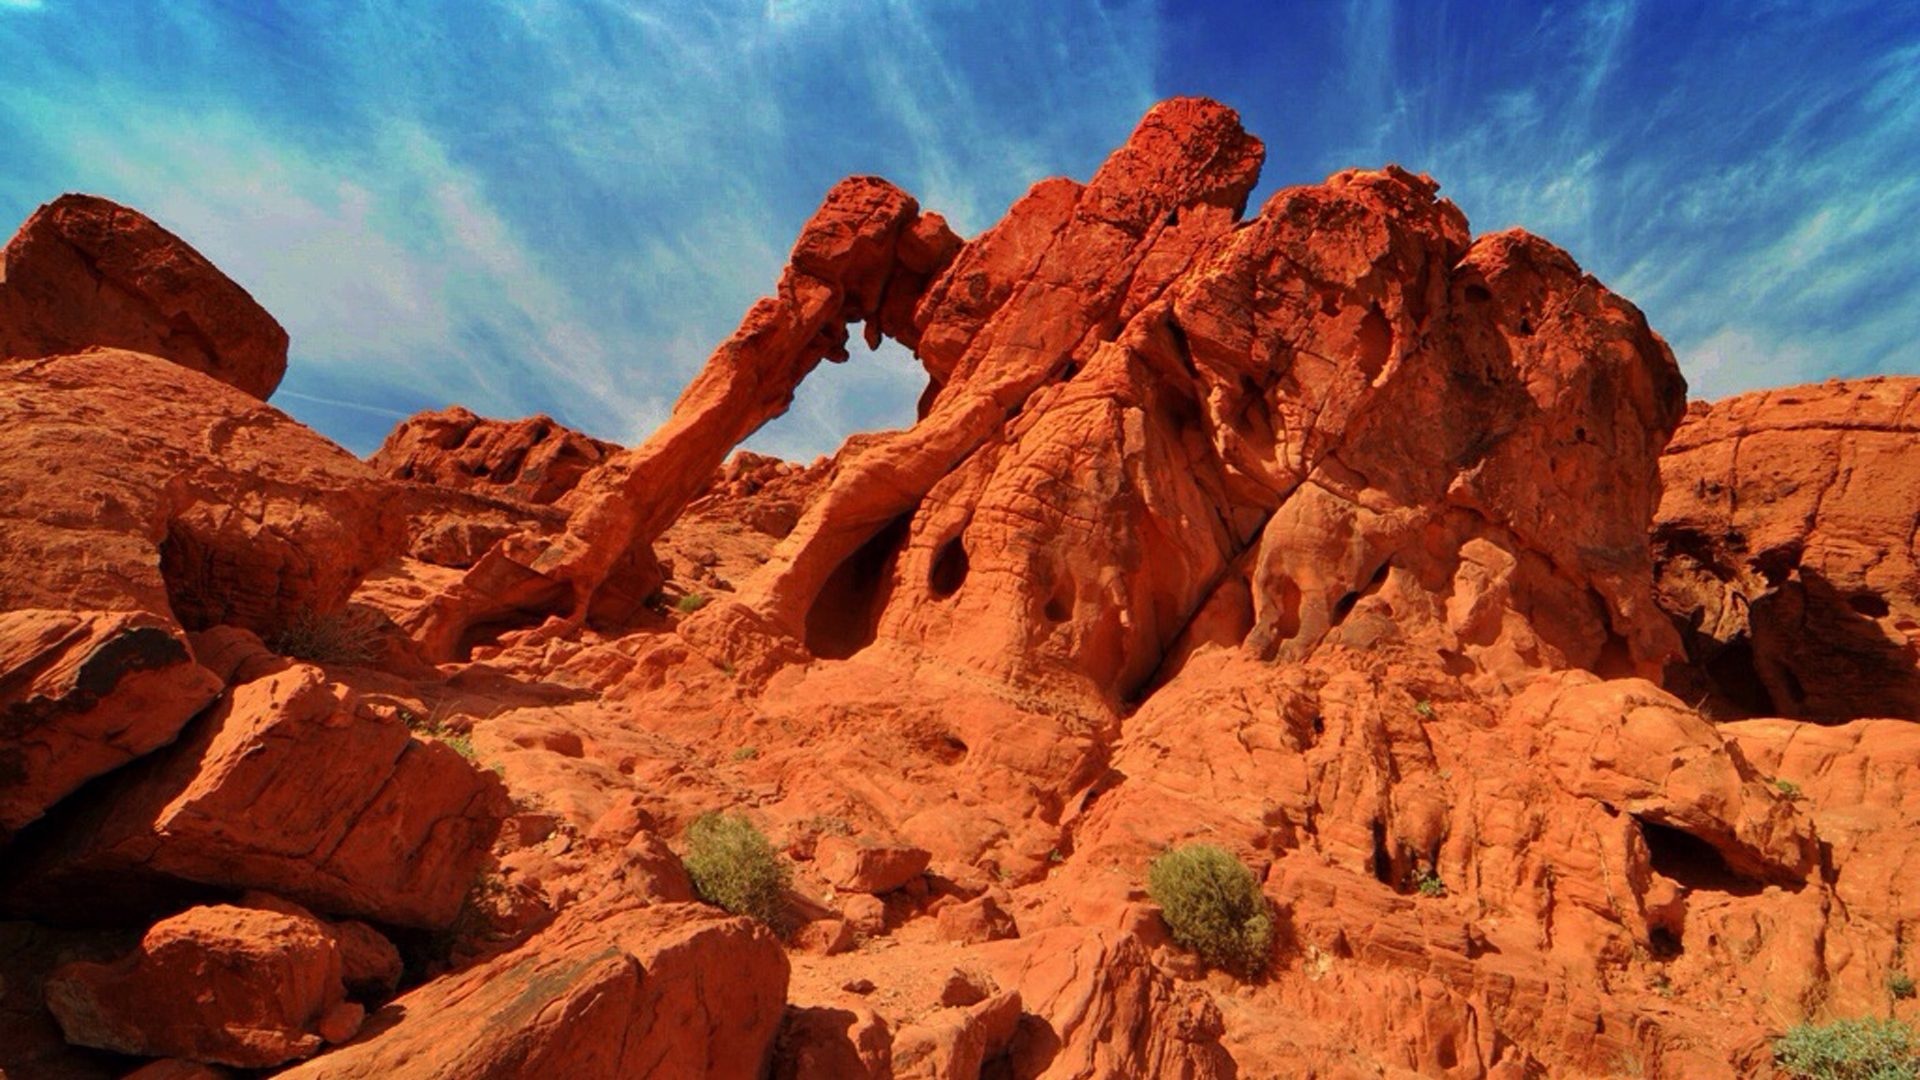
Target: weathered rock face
1320, 535
221, 984
1786, 546
84, 271
291, 785
83, 693
191, 504
534, 460
866, 256
662, 991
190, 498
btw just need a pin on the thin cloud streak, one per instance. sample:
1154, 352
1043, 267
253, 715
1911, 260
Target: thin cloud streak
557, 208
563, 208
1738, 185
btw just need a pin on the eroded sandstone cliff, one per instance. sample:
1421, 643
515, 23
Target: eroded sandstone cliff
1568, 729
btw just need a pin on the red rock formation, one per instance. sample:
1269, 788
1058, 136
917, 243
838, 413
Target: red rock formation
263, 985
864, 257
254, 519
1321, 536
1787, 550
534, 460
84, 271
290, 785
868, 867
191, 504
652, 991
83, 693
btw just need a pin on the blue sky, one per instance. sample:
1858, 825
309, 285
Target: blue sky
563, 205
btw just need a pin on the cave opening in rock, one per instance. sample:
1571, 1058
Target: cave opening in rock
845, 616
1734, 673
1692, 862
949, 570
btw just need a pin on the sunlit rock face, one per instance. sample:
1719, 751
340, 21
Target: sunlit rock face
1330, 534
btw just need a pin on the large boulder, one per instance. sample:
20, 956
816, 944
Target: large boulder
84, 271
220, 984
189, 498
138, 497
83, 693
666, 991
290, 784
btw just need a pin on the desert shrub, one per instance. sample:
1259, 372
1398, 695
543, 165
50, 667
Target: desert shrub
690, 603
1856, 1049
1900, 985
1213, 906
733, 867
1429, 884
344, 637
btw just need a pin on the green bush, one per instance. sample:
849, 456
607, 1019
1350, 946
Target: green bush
1213, 906
1900, 985
1859, 1049
690, 603
733, 867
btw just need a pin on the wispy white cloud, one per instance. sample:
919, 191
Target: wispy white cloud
562, 207
1737, 174
555, 207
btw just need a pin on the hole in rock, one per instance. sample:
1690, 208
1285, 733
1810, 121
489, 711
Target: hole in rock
1060, 605
1526, 327
79, 898
949, 570
1286, 620
1375, 342
1344, 606
489, 632
1478, 294
950, 750
1181, 348
846, 614
1777, 564
1616, 658
874, 390
1733, 672
1873, 607
1692, 861
1382, 862
1182, 413
1663, 943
